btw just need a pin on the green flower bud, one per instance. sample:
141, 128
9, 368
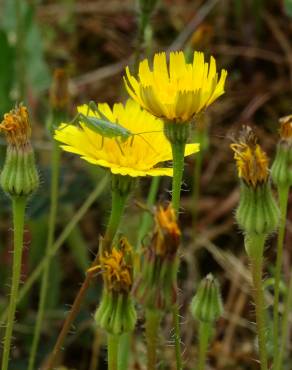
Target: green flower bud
156, 286
19, 176
207, 305
281, 170
282, 166
257, 212
116, 313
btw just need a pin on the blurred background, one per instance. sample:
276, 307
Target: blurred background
94, 41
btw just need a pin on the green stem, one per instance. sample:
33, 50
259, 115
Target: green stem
255, 248
177, 339
196, 185
153, 318
204, 336
147, 217
124, 351
285, 327
18, 205
283, 201
33, 277
178, 151
51, 232
112, 351
118, 205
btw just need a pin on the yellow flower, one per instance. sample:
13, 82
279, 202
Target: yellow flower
137, 156
177, 91
252, 162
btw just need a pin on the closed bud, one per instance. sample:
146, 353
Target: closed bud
282, 167
257, 212
116, 312
19, 176
207, 305
156, 286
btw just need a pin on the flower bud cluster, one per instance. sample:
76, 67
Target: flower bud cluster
156, 287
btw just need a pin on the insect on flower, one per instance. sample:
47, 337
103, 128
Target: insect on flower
100, 124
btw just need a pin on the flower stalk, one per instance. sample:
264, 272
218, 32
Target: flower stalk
153, 318
258, 216
18, 208
114, 221
206, 307
19, 179
282, 177
255, 247
59, 110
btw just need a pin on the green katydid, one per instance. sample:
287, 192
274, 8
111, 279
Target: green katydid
104, 127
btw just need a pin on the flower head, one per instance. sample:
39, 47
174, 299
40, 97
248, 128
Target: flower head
16, 126
139, 155
167, 233
19, 175
252, 162
116, 267
176, 91
116, 311
286, 128
156, 287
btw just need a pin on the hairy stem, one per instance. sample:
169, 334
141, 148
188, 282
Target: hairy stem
112, 351
285, 328
283, 201
18, 206
178, 150
51, 232
204, 336
255, 247
153, 318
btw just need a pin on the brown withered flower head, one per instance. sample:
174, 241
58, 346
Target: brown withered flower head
16, 126
156, 286
252, 162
